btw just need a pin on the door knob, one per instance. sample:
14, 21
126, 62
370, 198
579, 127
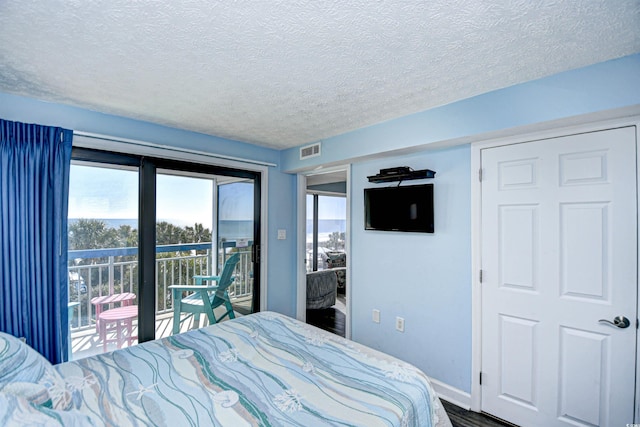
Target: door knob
618, 321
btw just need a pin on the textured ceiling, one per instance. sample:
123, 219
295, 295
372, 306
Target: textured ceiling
285, 73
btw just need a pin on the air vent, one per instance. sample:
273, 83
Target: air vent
310, 151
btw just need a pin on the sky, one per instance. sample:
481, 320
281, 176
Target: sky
105, 193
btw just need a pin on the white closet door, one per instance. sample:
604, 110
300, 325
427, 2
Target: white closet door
559, 253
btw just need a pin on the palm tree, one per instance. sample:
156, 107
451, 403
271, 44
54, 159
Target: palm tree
90, 234
169, 234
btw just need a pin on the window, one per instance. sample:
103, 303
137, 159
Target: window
139, 225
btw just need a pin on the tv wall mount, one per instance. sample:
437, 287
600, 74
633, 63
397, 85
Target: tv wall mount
402, 173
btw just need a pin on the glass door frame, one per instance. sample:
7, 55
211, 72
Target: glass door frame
148, 167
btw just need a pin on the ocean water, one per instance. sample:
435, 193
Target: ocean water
328, 226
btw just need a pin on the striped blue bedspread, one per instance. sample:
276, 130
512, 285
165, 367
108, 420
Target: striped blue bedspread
264, 369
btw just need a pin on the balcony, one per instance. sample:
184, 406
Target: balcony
102, 272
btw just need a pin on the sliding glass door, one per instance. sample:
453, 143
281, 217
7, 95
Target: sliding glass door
139, 227
184, 244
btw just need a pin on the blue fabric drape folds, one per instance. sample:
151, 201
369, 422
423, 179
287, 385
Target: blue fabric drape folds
34, 181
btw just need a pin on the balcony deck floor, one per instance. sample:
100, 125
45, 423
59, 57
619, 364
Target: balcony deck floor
85, 343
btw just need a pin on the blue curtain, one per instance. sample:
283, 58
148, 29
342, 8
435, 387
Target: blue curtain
34, 181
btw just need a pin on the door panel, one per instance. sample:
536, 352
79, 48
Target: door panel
584, 258
236, 234
582, 357
184, 244
518, 345
559, 237
518, 246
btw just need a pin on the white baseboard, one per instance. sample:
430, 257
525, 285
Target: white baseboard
451, 394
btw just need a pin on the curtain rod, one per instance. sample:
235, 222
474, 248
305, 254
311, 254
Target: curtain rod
169, 148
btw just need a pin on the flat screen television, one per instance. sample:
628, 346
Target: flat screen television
407, 208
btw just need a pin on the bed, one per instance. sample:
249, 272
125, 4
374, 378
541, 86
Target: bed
263, 369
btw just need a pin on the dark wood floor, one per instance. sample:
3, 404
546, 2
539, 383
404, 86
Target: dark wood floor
329, 319
332, 319
462, 418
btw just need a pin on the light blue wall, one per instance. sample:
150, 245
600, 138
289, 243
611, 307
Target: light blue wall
424, 278
427, 278
604, 86
281, 189
282, 289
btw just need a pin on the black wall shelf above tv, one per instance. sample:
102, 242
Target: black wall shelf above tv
401, 174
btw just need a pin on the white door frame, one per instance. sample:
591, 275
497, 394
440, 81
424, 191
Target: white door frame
301, 294
476, 237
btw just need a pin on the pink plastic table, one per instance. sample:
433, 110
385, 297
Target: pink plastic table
125, 298
123, 318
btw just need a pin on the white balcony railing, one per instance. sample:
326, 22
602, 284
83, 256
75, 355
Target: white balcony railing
99, 272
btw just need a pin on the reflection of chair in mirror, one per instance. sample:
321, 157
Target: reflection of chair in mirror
204, 298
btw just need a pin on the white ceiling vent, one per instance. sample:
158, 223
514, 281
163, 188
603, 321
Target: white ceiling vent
308, 151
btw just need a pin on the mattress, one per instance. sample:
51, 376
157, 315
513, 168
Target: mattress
263, 369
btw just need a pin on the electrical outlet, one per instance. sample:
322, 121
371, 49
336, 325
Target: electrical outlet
400, 324
282, 234
376, 316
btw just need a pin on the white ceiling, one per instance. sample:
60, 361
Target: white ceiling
284, 73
